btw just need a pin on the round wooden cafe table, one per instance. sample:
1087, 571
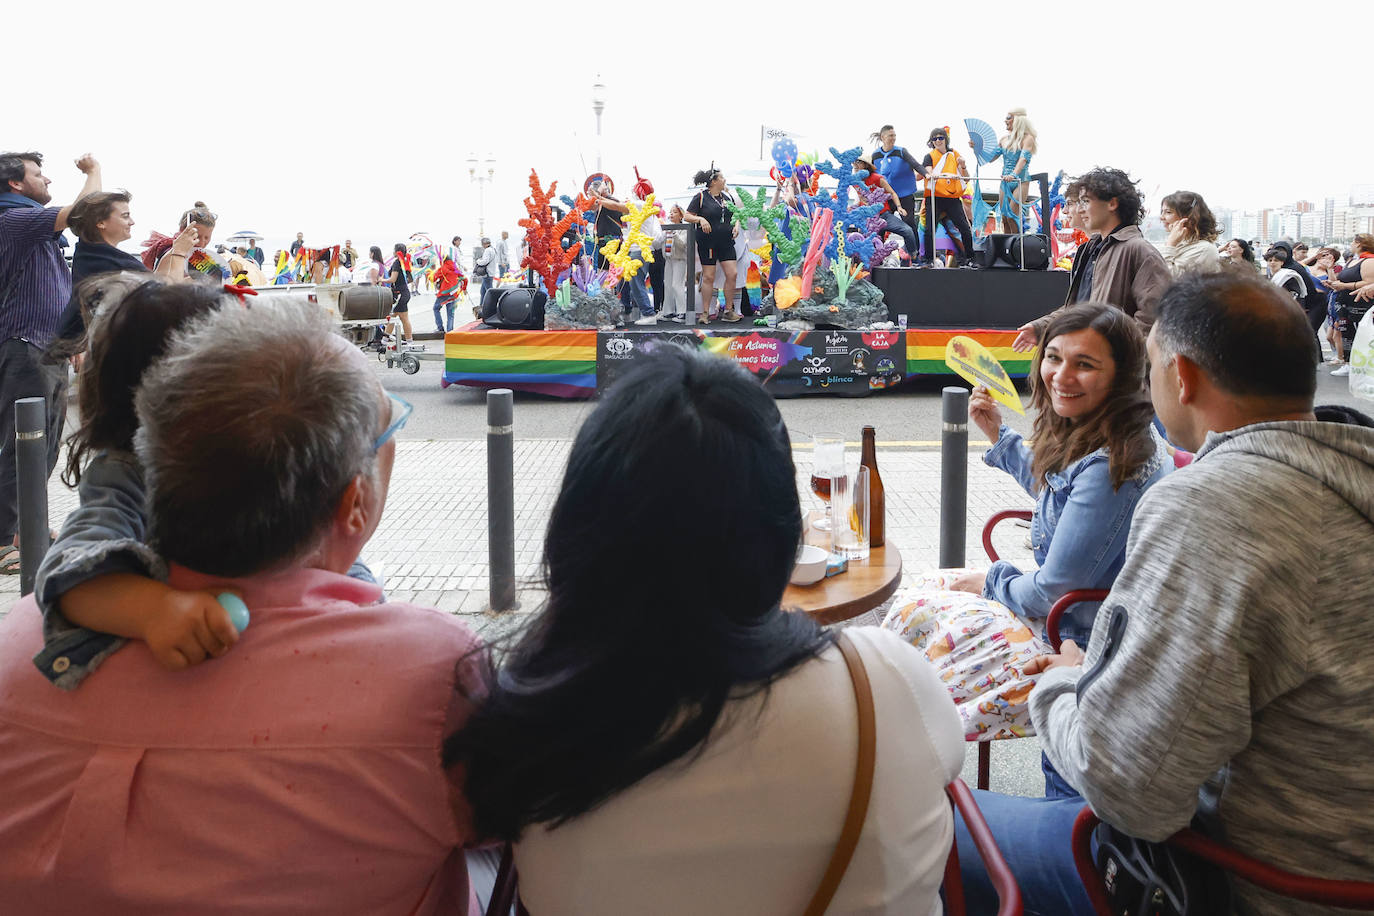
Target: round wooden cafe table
865, 585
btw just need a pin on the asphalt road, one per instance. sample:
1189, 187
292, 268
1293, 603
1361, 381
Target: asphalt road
908, 417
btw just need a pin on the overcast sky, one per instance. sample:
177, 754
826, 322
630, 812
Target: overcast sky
343, 119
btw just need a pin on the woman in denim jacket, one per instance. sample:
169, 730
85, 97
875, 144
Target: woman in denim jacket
1095, 454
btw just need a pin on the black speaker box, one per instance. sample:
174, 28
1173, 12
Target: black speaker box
1001, 250
519, 308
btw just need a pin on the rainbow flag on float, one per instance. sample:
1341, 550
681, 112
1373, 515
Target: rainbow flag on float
925, 351
559, 363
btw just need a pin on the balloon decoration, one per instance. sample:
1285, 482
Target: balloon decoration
784, 155
643, 186
838, 204
820, 234
588, 279
427, 260
770, 219
844, 271
617, 251
542, 234
598, 178
786, 292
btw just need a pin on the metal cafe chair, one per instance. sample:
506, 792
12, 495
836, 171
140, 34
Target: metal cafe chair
1355, 895
1051, 623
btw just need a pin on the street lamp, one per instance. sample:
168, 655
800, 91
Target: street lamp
474, 174
598, 106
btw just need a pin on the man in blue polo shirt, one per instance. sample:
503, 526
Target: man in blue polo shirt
35, 284
900, 168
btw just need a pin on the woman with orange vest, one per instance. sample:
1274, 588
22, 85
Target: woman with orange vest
944, 196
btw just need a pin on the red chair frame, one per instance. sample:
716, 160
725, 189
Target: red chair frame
506, 892
1355, 895
1051, 623
1008, 891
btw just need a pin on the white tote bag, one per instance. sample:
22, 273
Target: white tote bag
1361, 357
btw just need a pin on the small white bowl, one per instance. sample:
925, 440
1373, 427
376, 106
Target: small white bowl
810, 567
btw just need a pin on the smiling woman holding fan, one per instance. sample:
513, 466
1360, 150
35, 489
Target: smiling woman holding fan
1095, 455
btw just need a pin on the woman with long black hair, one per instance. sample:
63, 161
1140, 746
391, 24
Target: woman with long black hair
666, 739
1240, 253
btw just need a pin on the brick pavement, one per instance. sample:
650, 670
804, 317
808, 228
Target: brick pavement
431, 547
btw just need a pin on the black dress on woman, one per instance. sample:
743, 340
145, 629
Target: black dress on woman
719, 243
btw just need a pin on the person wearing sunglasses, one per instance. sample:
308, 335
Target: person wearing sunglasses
945, 195
267, 444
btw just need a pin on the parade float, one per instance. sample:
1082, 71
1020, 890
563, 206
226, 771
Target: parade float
839, 317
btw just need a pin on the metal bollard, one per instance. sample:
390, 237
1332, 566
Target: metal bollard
31, 480
953, 477
501, 498
692, 318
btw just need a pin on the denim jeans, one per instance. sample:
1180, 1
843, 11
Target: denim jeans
486, 285
438, 322
1034, 836
634, 291
907, 234
1056, 786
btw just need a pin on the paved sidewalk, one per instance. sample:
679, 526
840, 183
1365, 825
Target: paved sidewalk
431, 547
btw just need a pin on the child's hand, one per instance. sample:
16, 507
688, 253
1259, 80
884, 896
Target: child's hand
184, 628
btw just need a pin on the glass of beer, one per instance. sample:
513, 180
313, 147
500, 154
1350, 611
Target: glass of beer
849, 513
827, 461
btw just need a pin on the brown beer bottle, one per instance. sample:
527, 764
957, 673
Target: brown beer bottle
877, 503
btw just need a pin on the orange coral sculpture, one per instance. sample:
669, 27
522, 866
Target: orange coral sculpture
546, 257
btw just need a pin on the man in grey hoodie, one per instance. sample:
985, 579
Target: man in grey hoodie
1232, 660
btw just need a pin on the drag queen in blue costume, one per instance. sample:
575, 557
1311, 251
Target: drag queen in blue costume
1016, 149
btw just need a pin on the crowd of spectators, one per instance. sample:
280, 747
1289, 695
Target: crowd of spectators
675, 743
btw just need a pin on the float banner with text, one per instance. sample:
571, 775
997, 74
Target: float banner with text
789, 363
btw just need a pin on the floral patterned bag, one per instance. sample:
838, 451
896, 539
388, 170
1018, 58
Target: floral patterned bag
978, 647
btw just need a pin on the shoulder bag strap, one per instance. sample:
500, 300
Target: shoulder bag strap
863, 782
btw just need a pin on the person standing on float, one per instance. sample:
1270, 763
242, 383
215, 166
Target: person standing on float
900, 168
944, 168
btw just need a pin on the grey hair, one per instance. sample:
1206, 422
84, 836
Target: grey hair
250, 430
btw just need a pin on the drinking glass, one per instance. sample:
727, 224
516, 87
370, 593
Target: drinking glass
827, 460
849, 513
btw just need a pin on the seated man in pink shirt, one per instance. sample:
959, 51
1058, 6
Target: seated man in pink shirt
299, 772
